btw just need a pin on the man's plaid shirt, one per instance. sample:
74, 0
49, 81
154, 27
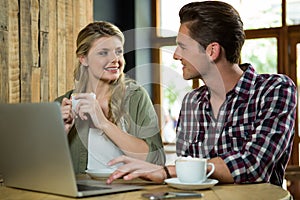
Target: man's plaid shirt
253, 132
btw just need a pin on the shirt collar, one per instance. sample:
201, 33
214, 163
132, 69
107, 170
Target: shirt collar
246, 82
242, 88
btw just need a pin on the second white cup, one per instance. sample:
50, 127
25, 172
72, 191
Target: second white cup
192, 170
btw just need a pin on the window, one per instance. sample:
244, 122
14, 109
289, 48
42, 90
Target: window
292, 10
174, 87
266, 15
264, 58
169, 20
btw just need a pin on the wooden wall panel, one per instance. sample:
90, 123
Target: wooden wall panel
13, 52
52, 57
61, 39
4, 94
25, 50
70, 43
44, 49
37, 48
35, 65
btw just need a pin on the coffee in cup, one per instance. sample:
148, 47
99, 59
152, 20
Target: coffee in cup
192, 170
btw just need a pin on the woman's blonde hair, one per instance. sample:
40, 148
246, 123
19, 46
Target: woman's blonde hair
85, 39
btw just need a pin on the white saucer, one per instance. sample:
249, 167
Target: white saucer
174, 182
100, 173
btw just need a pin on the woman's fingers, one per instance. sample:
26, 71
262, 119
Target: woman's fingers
67, 114
132, 168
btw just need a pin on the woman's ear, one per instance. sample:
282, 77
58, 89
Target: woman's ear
83, 60
213, 50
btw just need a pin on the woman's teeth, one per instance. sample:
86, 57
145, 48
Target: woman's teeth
111, 68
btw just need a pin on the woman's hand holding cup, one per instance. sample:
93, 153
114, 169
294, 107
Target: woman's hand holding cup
86, 104
76, 97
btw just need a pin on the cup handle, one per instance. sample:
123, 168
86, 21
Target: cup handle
212, 169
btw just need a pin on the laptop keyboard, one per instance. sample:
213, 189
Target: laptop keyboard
82, 187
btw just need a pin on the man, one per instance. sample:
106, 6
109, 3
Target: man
240, 120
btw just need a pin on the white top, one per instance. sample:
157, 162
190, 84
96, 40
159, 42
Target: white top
101, 150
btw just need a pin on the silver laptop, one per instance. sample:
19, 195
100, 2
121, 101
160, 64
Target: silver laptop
34, 153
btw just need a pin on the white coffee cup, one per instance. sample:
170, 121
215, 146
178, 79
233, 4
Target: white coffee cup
192, 170
76, 101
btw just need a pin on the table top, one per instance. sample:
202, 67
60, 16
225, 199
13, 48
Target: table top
218, 192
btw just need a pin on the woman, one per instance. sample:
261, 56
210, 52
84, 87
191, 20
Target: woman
119, 119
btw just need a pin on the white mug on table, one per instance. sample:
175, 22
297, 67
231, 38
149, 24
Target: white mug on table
192, 170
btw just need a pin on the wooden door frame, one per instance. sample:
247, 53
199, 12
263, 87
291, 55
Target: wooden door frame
293, 40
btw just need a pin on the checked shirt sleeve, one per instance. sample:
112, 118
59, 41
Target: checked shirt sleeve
265, 151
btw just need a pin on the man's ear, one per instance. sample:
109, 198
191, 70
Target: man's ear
83, 60
213, 50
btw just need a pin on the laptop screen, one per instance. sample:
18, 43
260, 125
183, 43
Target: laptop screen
34, 151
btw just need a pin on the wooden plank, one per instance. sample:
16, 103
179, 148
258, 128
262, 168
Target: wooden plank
38, 44
4, 52
44, 15
52, 55
76, 17
83, 15
13, 54
61, 38
79, 18
4, 94
89, 11
35, 84
44, 49
25, 50
34, 11
70, 41
35, 79
76, 29
3, 13
44, 57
